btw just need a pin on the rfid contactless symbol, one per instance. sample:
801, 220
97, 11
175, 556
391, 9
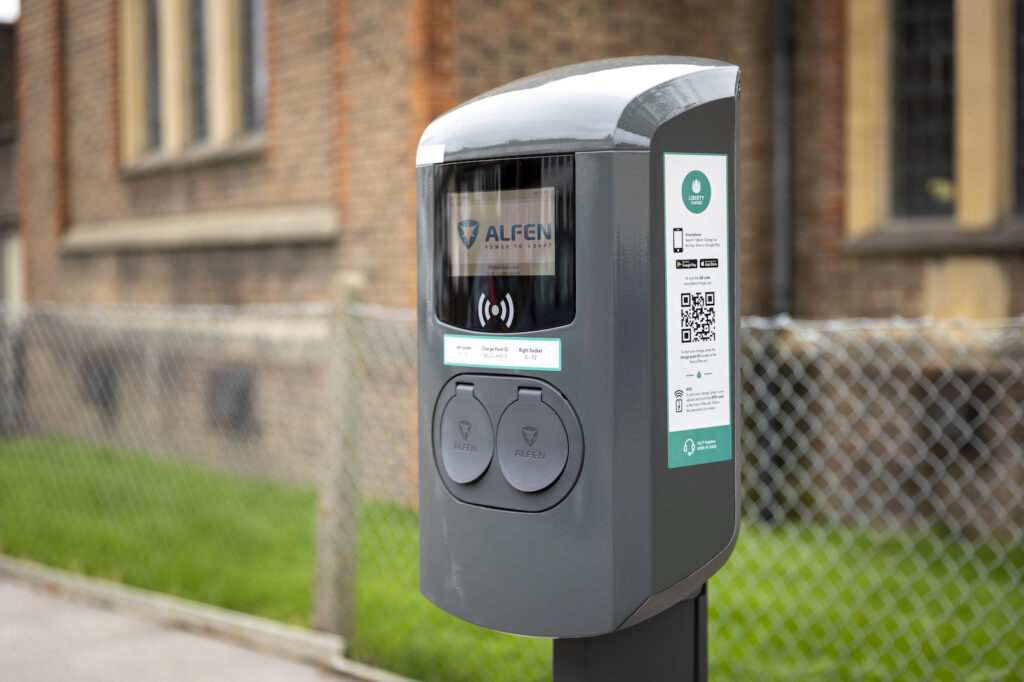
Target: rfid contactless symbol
505, 311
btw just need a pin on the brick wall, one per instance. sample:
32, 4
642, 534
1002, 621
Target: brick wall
40, 165
352, 85
294, 168
377, 157
826, 282
351, 88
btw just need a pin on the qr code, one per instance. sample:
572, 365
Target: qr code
698, 316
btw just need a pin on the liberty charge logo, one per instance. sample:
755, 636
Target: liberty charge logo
473, 227
696, 191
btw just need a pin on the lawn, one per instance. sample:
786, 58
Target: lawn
793, 603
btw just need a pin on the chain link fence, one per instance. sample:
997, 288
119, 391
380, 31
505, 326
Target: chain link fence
264, 459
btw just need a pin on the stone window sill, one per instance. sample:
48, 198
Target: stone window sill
152, 163
304, 224
936, 237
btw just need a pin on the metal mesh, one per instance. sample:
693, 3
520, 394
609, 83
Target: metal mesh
884, 481
264, 459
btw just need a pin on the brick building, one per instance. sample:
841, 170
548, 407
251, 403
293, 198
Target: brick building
245, 151
248, 150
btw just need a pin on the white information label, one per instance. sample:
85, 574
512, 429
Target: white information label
697, 311
503, 352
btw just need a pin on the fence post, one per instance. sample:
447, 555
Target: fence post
338, 506
9, 372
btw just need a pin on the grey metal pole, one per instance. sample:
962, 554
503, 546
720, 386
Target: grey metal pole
670, 647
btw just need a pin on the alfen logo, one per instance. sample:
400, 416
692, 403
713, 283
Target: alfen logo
471, 227
531, 232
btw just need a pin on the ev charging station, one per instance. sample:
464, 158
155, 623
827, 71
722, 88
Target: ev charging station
578, 380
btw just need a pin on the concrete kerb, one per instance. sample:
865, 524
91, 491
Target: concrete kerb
289, 641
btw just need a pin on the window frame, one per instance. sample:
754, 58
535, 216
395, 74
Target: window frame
169, 89
983, 219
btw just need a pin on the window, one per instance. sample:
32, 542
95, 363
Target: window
929, 124
152, 43
252, 61
922, 119
193, 80
197, 70
1018, 57
929, 99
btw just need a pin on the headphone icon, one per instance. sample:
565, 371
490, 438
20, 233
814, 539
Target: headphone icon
505, 311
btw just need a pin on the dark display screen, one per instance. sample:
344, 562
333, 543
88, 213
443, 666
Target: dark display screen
505, 240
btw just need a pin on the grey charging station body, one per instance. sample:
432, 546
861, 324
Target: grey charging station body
578, 320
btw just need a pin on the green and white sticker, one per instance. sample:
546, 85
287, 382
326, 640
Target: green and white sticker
697, 309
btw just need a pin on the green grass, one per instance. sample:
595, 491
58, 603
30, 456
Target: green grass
808, 603
159, 524
243, 544
792, 603
399, 630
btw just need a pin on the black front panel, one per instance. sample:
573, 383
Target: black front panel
504, 236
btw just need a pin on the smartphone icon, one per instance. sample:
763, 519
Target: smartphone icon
677, 239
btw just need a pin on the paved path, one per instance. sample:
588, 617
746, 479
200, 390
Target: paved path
46, 637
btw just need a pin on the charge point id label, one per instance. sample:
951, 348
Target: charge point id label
503, 352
